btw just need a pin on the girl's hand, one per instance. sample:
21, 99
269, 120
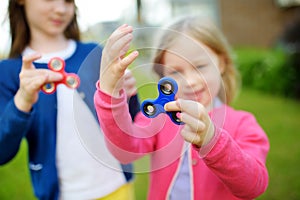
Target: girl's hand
31, 80
129, 84
114, 62
198, 128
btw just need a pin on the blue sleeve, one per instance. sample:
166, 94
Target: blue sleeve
14, 124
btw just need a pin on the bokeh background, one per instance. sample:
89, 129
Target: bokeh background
265, 36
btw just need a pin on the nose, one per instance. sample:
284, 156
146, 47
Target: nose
194, 78
60, 6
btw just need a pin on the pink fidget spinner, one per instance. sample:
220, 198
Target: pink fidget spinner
71, 80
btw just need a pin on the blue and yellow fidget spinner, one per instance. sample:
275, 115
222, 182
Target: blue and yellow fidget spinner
167, 88
71, 80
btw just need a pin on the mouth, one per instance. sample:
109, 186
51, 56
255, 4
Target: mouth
195, 95
57, 22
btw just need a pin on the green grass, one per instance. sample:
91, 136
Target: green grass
278, 116
15, 179
280, 119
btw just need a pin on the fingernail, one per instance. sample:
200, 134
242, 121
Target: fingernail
178, 115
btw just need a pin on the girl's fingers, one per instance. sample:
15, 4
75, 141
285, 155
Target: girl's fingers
172, 106
121, 46
27, 60
191, 119
117, 36
51, 76
40, 73
129, 78
191, 113
118, 43
195, 124
115, 61
198, 128
36, 82
119, 33
129, 83
194, 108
190, 136
35, 78
126, 61
124, 49
128, 74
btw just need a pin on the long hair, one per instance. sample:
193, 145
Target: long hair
20, 32
208, 34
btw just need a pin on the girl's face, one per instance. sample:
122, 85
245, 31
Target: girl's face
196, 69
49, 17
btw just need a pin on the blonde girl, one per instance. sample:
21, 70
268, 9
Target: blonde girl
219, 152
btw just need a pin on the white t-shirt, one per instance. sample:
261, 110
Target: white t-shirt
86, 169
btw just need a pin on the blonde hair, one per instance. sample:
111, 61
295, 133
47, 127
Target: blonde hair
207, 33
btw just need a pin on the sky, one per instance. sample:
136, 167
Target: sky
90, 12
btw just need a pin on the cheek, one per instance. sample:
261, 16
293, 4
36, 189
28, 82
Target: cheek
214, 85
71, 15
31, 13
180, 84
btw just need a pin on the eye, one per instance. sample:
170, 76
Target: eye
201, 66
171, 72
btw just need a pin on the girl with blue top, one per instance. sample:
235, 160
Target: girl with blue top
61, 129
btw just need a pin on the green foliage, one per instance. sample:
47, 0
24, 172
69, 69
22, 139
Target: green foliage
15, 179
268, 70
279, 117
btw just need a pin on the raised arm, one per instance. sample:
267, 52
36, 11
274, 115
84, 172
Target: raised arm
126, 140
16, 102
114, 62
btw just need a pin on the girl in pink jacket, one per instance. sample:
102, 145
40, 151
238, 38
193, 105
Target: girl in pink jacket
218, 152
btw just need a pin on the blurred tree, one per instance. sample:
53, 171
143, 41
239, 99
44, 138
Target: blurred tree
139, 11
290, 42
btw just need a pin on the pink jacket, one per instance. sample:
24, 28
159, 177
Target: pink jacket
232, 166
